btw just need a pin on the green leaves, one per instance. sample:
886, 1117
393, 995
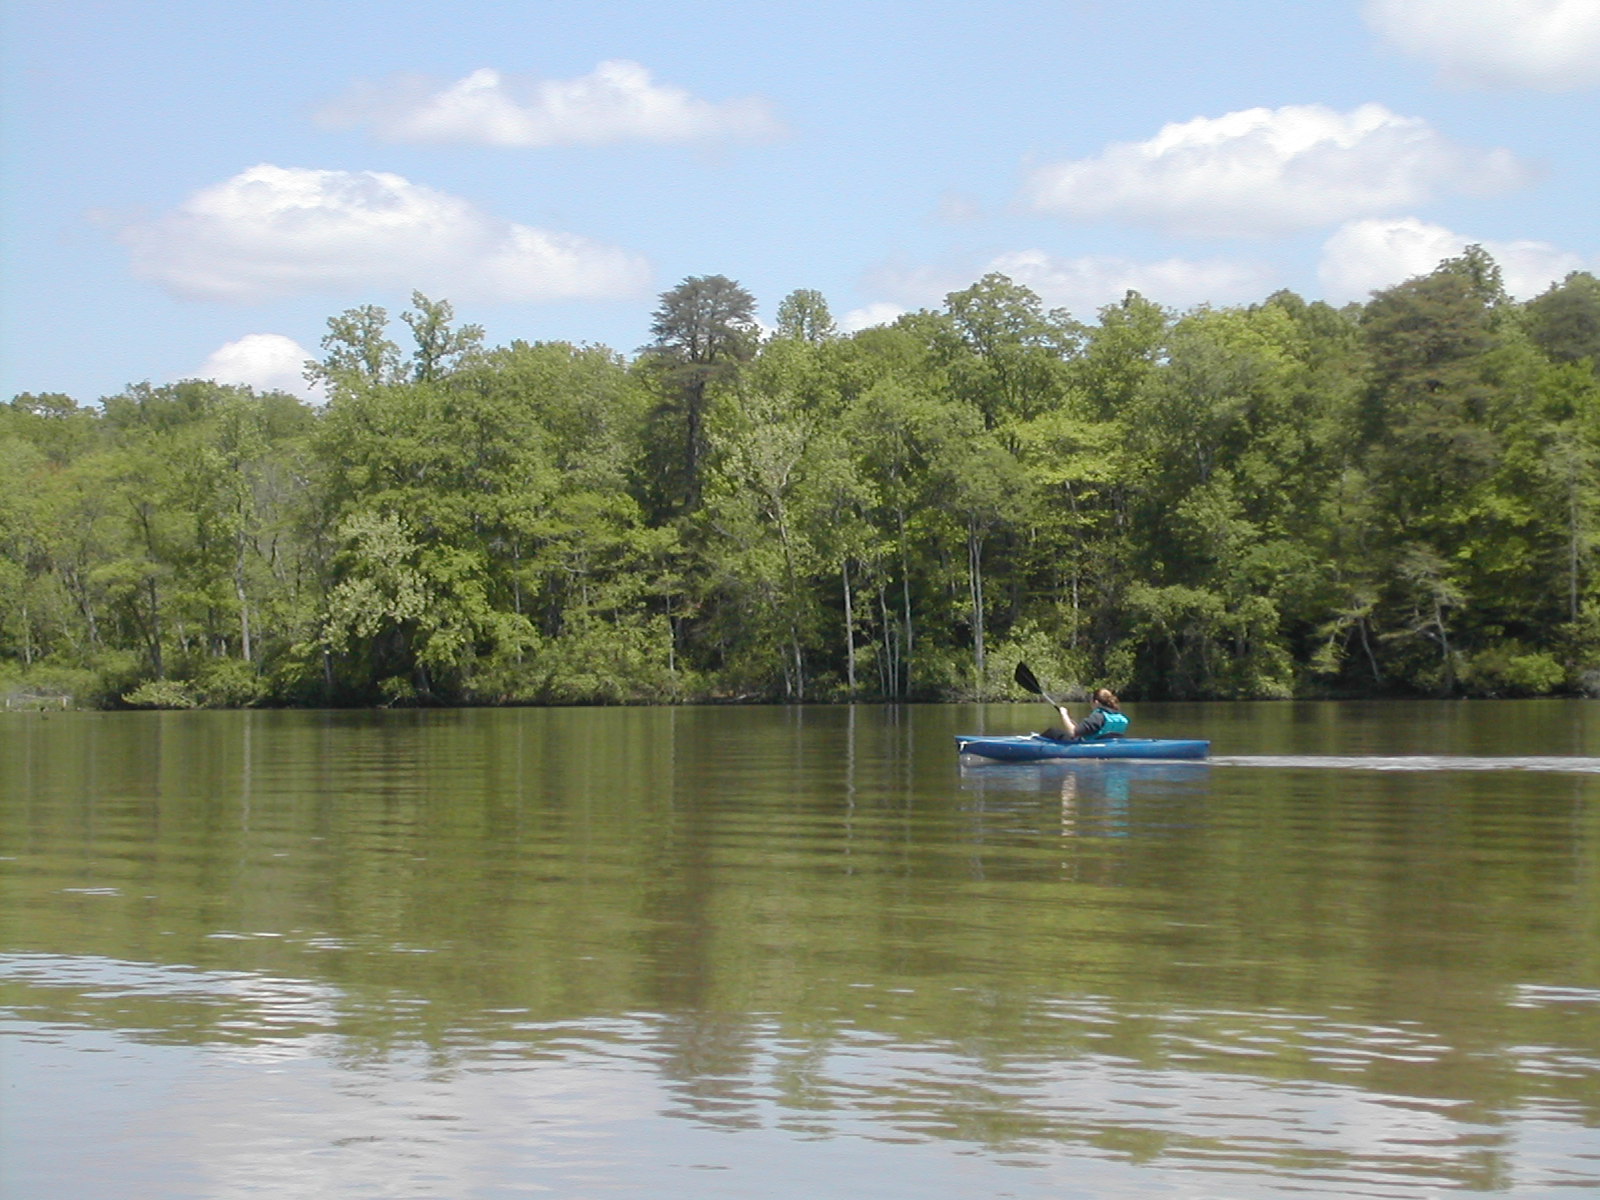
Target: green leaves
1247, 501
704, 329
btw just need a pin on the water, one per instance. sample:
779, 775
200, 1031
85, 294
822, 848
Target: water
797, 952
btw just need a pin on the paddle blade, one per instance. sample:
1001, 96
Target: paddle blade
1027, 680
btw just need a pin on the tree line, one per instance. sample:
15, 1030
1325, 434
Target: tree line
1399, 497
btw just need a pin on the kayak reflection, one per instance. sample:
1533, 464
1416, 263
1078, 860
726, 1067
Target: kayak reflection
1097, 797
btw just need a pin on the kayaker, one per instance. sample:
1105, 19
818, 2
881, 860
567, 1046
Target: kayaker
1107, 720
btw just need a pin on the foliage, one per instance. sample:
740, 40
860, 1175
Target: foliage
1401, 497
704, 329
160, 693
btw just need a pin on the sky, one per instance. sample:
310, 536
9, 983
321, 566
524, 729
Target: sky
190, 190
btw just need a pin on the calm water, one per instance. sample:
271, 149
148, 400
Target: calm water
786, 953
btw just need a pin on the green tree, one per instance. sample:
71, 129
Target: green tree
803, 315
21, 561
704, 330
1434, 426
1120, 353
357, 352
53, 423
897, 426
1003, 354
1564, 320
985, 489
759, 561
439, 347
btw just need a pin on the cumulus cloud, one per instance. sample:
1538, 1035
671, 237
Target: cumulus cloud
1550, 45
264, 361
281, 231
1267, 171
1084, 285
1081, 285
1365, 256
619, 101
882, 313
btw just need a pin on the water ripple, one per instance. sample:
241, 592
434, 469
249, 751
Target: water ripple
1264, 1101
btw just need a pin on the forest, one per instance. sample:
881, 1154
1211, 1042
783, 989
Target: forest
1284, 499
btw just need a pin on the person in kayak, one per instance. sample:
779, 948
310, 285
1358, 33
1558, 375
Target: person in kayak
1106, 721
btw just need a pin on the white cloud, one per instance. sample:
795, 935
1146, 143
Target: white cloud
1084, 285
866, 317
1262, 171
617, 102
1551, 45
1080, 285
1365, 256
283, 231
911, 287
264, 361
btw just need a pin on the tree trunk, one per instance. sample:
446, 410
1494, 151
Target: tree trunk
975, 589
790, 599
849, 634
905, 593
1366, 645
1574, 547
1077, 565
155, 627
1444, 651
694, 399
888, 666
244, 604
80, 595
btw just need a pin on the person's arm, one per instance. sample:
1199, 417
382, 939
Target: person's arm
1067, 722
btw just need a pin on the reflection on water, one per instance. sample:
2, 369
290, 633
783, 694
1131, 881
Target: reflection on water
1102, 777
1176, 1092
1096, 797
775, 952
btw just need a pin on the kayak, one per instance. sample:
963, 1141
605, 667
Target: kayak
1036, 747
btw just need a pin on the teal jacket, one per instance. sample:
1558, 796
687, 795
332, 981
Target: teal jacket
1102, 723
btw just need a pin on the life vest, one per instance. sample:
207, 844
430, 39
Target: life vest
1115, 724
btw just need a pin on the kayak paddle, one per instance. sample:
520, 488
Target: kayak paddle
1030, 682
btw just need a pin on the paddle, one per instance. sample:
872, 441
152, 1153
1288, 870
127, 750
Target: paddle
1030, 682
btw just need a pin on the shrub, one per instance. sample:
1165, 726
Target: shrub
229, 683
161, 693
1511, 669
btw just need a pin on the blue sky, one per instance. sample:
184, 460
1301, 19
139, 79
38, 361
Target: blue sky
194, 188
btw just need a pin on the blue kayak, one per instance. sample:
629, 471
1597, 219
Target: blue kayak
1036, 747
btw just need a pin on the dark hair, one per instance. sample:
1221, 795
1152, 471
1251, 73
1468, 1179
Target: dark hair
1106, 698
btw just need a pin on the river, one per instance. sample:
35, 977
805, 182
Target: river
797, 952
